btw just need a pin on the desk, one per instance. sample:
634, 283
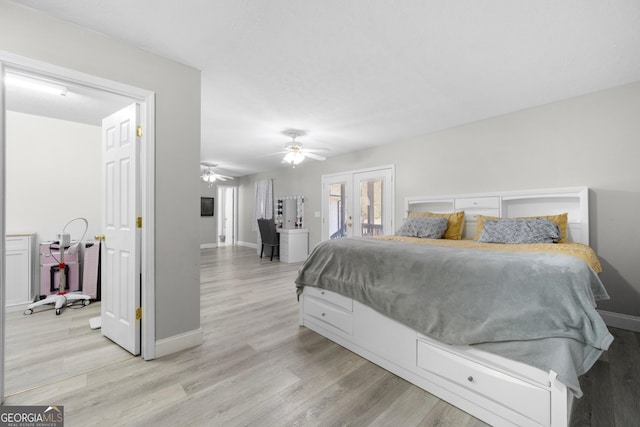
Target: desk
294, 244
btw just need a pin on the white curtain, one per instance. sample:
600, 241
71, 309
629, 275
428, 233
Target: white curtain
264, 201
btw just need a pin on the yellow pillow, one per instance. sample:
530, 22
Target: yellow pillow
560, 219
455, 225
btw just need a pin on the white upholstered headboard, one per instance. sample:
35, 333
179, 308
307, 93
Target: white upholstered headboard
510, 204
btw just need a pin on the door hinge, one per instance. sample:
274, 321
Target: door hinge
139, 131
138, 313
139, 222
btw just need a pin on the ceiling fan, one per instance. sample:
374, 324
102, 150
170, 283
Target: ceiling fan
294, 152
209, 175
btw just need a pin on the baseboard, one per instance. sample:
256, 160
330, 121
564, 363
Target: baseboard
179, 342
248, 245
622, 321
208, 245
17, 307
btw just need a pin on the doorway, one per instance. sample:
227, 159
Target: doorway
11, 64
227, 215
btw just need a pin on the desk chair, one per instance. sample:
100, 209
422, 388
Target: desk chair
269, 236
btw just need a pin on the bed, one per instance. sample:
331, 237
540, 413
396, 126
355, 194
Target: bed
502, 333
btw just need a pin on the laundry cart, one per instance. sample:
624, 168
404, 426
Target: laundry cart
50, 269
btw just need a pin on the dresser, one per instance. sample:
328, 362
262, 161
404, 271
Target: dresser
294, 244
19, 268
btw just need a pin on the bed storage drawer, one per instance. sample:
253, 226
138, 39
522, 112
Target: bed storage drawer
329, 297
477, 203
525, 398
329, 314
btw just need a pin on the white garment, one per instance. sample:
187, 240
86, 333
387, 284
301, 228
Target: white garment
264, 201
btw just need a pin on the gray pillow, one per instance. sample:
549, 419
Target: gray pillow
427, 227
520, 230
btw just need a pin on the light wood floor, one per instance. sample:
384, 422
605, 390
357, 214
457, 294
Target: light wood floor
256, 367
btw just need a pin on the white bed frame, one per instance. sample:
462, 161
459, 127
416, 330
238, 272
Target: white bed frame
494, 389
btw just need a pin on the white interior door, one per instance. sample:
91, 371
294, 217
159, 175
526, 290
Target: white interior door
120, 249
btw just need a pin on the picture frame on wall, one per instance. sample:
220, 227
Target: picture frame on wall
206, 206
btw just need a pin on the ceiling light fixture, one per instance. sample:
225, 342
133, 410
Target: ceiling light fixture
209, 176
294, 153
35, 84
294, 156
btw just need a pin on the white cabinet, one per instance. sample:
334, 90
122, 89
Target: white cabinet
294, 244
19, 269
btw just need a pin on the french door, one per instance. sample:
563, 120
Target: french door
358, 203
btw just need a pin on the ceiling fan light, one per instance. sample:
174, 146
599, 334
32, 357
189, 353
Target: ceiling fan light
298, 157
208, 176
293, 157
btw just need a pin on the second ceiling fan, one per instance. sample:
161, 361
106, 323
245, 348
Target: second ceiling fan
209, 176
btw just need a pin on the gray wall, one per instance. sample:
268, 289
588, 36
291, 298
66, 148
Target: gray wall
592, 140
177, 88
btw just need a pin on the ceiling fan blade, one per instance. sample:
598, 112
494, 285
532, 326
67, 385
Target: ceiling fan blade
220, 178
223, 177
315, 150
274, 154
314, 156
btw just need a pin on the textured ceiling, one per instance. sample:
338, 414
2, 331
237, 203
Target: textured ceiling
360, 73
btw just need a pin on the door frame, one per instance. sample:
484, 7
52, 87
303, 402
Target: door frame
147, 176
388, 208
349, 178
222, 206
326, 180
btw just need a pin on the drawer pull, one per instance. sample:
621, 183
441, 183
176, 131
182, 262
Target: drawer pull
470, 378
322, 314
322, 292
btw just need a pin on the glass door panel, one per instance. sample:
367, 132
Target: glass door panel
336, 207
371, 214
375, 203
337, 211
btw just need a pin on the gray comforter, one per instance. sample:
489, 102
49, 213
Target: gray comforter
531, 307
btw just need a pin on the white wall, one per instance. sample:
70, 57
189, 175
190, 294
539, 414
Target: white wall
53, 175
177, 151
592, 140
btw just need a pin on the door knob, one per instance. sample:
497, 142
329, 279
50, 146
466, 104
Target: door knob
100, 237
